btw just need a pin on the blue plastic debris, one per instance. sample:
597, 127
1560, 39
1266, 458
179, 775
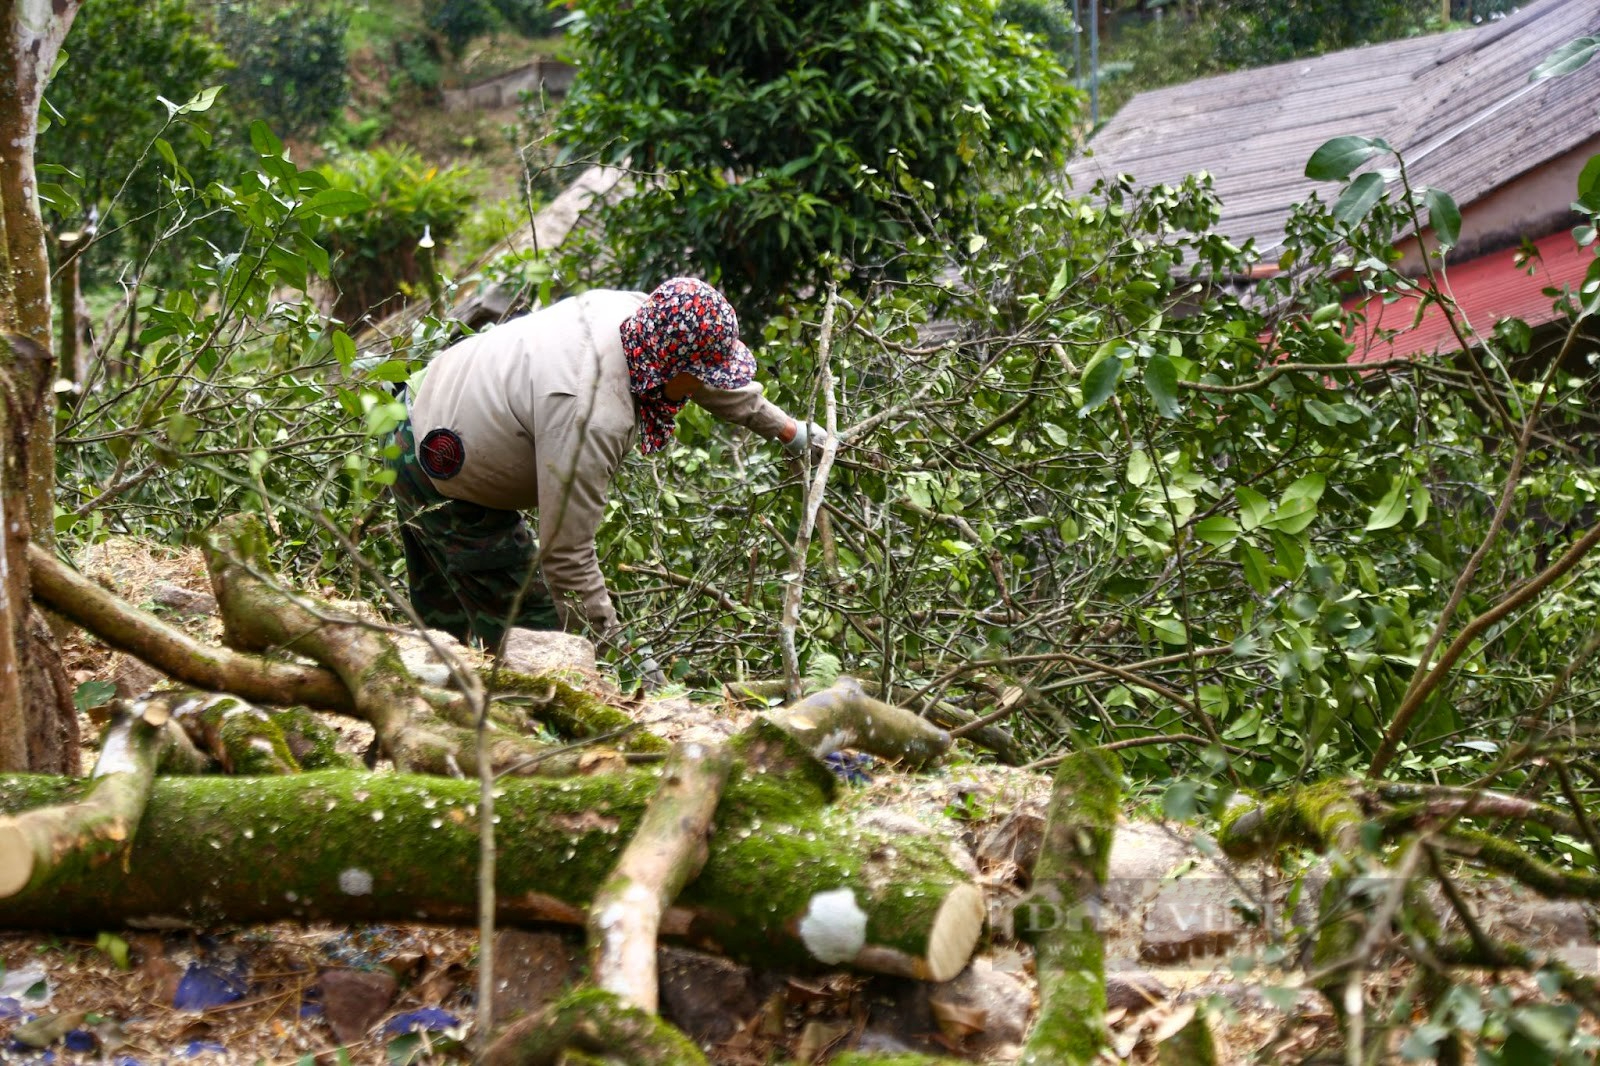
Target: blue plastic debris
79, 1040
850, 767
126, 1060
10, 1008
430, 1019
196, 1048
310, 1010
208, 984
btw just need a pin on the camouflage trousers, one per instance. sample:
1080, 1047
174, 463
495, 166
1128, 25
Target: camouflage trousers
470, 569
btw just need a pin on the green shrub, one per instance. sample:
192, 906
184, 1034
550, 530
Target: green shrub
122, 58
289, 61
376, 253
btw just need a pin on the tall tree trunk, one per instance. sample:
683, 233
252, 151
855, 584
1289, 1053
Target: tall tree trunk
38, 729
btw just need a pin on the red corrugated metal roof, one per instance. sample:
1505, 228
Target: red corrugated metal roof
1486, 290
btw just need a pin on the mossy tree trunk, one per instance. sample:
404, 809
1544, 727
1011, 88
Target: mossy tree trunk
785, 882
38, 729
617, 1017
1068, 882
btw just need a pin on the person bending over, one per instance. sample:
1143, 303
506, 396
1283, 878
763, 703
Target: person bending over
536, 414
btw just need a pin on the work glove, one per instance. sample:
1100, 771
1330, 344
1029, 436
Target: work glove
806, 435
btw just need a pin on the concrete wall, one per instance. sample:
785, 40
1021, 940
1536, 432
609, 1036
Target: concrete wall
1532, 205
503, 91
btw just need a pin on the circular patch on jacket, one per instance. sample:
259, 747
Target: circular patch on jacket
442, 454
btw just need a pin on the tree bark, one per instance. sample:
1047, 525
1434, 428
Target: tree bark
169, 649
1068, 882
844, 716
38, 727
784, 884
95, 829
667, 852
257, 615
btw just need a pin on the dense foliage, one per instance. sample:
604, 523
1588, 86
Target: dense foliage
784, 135
288, 61
460, 22
123, 58
386, 254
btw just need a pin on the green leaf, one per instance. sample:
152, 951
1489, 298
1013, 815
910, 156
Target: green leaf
1257, 568
390, 370
1161, 381
115, 946
1308, 486
1169, 630
1566, 59
201, 101
1179, 802
1292, 516
264, 141
1298, 508
1139, 467
1358, 198
1589, 177
1100, 381
1217, 530
1338, 158
332, 203
93, 694
1253, 507
1420, 500
344, 349
1444, 216
1391, 509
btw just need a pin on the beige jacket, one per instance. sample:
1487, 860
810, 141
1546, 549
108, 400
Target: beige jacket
542, 407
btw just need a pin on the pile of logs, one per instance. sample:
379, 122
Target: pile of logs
732, 847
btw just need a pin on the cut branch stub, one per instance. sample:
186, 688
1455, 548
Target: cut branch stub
38, 843
844, 716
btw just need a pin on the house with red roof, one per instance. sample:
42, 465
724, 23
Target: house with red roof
1461, 109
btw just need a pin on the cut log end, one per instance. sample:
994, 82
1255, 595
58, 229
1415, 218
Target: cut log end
16, 860
955, 932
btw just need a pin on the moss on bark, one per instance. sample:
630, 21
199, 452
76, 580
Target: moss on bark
395, 847
1068, 879
592, 1022
573, 712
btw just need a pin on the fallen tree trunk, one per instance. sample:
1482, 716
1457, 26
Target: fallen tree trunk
785, 883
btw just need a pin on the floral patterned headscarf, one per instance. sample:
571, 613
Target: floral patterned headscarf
684, 325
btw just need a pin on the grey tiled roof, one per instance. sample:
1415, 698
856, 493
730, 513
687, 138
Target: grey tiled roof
1458, 105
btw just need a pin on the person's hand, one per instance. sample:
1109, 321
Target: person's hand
807, 435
